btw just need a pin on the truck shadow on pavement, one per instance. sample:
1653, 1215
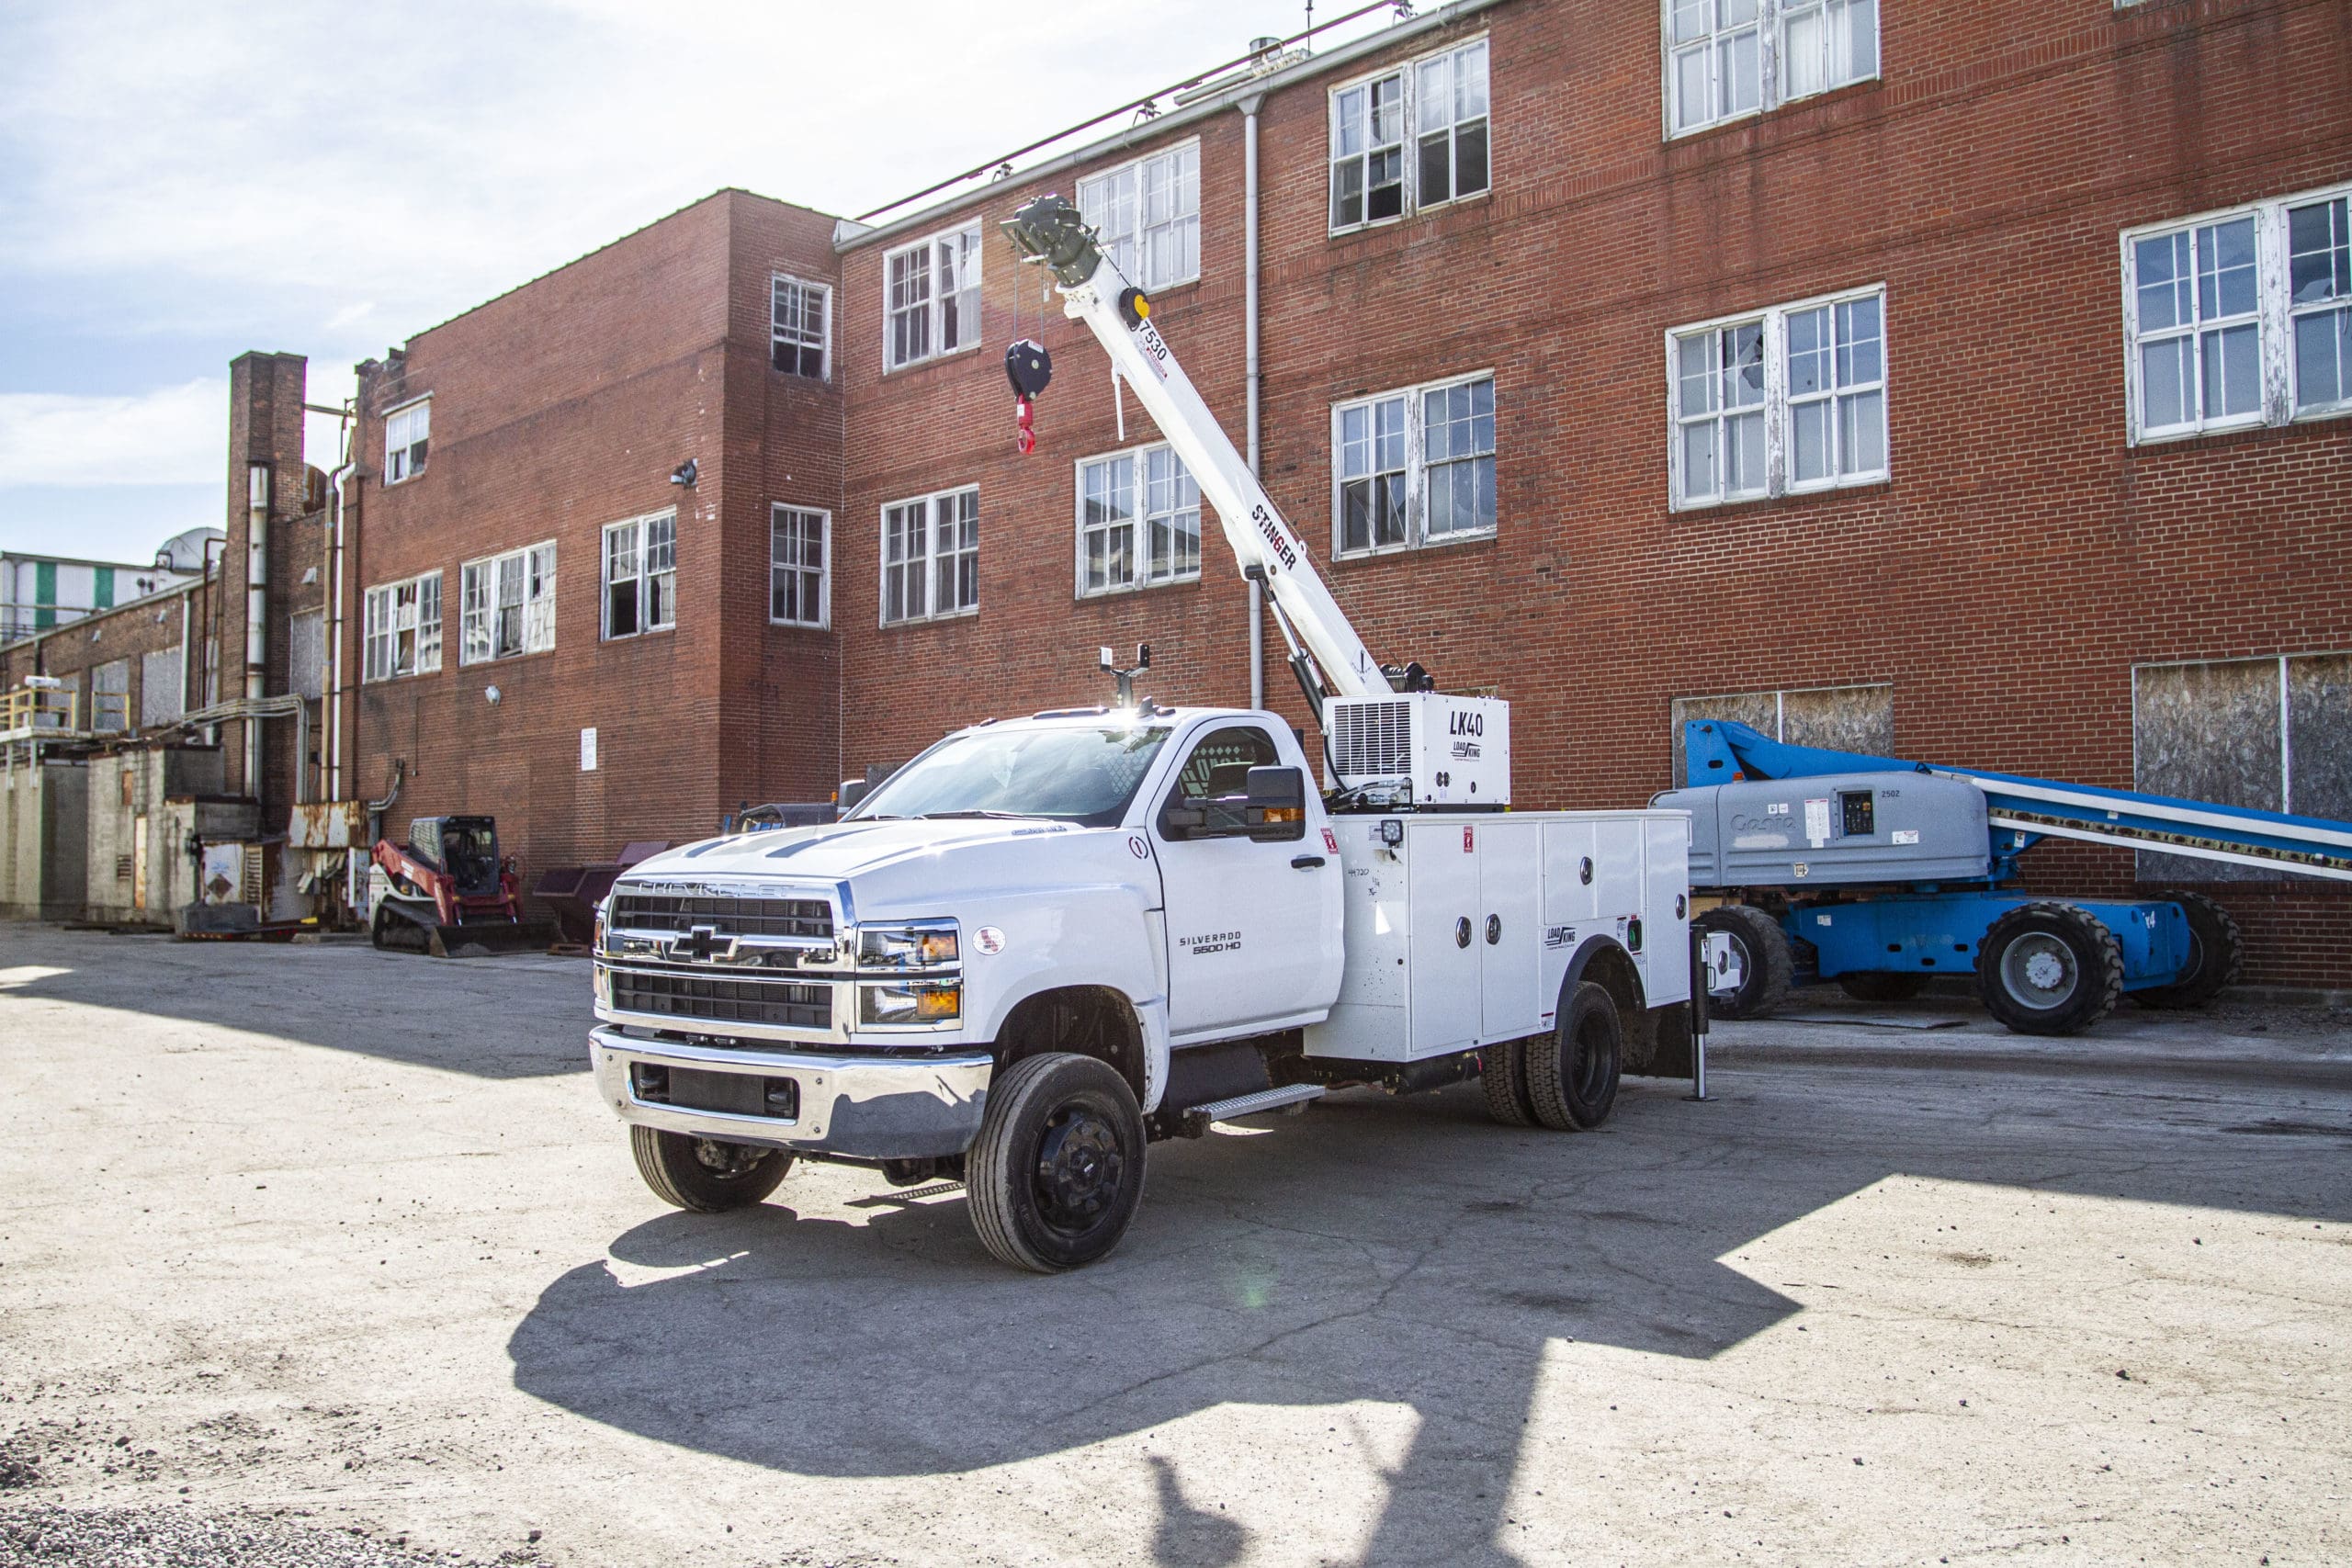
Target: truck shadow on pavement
1403, 1252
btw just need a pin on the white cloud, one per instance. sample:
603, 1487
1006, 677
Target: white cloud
170, 435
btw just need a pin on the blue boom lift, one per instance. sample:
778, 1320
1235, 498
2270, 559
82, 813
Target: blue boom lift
1881, 875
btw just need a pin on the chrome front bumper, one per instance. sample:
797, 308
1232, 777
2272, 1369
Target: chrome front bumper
909, 1107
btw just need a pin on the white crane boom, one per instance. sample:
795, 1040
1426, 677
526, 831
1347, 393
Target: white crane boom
1094, 291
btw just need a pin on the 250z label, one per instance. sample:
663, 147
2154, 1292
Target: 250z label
1211, 942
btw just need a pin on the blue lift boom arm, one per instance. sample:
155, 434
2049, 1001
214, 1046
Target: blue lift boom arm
2022, 811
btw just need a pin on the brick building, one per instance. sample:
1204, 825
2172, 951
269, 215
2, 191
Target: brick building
1961, 381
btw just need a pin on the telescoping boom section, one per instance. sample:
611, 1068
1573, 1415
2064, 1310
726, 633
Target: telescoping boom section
2022, 811
1049, 230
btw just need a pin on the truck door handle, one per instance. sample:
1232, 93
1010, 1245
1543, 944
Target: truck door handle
1305, 863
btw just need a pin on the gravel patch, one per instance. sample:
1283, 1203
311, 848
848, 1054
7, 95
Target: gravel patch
43, 1535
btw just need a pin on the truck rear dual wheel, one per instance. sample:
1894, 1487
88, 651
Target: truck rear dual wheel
1565, 1080
2216, 953
1055, 1175
1760, 950
2049, 968
703, 1174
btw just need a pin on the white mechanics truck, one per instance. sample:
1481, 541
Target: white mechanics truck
1044, 942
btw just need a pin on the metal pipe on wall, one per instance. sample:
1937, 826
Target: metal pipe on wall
1249, 106
331, 688
256, 610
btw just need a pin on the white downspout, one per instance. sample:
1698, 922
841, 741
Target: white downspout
1249, 106
256, 609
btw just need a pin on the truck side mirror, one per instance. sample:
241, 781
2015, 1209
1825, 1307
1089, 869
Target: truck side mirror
851, 793
1277, 810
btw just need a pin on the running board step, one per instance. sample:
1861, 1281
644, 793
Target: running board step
1197, 1119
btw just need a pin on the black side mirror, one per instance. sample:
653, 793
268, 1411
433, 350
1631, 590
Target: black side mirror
1277, 810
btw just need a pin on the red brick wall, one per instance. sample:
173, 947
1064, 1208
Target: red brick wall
2022, 559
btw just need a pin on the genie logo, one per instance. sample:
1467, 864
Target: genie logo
1276, 539
1466, 723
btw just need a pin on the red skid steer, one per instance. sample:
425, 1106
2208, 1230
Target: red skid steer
448, 893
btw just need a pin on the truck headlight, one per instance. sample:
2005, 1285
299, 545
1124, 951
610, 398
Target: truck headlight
906, 947
913, 1001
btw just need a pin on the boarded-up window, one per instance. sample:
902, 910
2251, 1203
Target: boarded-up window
111, 697
2274, 733
306, 643
162, 698
1838, 718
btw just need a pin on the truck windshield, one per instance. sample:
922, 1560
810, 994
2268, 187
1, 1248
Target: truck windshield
1082, 775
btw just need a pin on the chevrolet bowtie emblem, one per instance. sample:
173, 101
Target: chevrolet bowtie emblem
702, 944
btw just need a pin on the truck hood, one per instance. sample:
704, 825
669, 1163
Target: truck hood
839, 851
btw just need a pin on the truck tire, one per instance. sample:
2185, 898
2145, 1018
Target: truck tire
703, 1174
1762, 948
1057, 1172
1502, 1072
1572, 1072
1880, 985
2216, 953
2049, 968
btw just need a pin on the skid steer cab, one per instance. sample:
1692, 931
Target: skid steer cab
448, 892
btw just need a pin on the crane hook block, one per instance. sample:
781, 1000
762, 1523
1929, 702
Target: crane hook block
1029, 367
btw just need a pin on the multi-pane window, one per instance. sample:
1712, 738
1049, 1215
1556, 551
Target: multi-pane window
1414, 467
931, 297
1789, 398
506, 606
1147, 215
2240, 318
401, 628
801, 323
1439, 104
1138, 521
407, 433
1728, 57
798, 588
640, 575
931, 556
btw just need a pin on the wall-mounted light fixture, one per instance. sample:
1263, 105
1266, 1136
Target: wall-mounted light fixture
684, 474
490, 695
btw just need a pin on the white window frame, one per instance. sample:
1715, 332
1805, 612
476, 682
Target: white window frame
1410, 135
963, 243
642, 573
532, 572
1779, 464
1138, 520
798, 334
1772, 25
407, 449
381, 623
2274, 317
778, 511
1416, 470
929, 560
1124, 227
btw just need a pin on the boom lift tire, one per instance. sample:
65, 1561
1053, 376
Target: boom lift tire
703, 1174
2216, 954
1572, 1072
1880, 985
1762, 948
1055, 1175
2049, 968
1502, 1071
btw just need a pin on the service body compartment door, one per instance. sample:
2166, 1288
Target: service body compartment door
1442, 907
1509, 934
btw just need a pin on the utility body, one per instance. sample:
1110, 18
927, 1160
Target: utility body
1048, 941
1881, 875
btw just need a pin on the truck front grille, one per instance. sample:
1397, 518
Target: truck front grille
727, 916
773, 1002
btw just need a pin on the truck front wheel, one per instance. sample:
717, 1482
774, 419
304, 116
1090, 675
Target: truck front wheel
1057, 1172
704, 1173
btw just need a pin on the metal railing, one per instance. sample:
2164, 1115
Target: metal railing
33, 713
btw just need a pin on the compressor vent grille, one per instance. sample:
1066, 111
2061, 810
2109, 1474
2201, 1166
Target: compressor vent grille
1372, 740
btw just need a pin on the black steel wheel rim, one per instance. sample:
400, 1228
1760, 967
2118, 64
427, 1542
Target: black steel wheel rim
1588, 1074
1080, 1166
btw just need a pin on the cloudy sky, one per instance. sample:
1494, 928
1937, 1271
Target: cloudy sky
181, 183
